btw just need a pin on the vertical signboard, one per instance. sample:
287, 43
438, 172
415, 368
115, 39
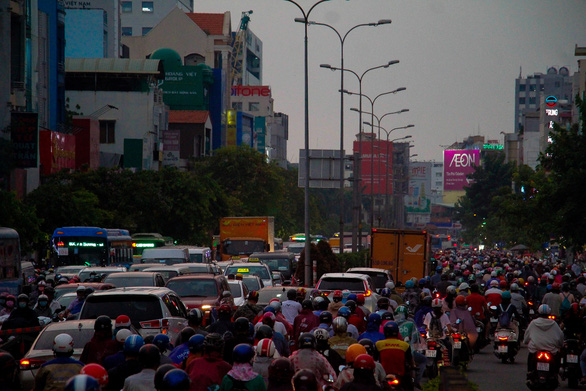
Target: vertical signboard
458, 164
418, 201
171, 148
260, 134
376, 166
25, 139
245, 126
231, 127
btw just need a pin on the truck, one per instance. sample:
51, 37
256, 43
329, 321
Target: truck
405, 253
242, 236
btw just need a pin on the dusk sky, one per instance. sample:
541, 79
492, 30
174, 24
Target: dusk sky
458, 60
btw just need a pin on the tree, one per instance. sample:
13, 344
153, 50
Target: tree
19, 216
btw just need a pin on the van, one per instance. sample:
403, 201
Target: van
199, 254
165, 255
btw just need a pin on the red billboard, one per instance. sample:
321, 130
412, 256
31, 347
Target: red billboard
458, 164
377, 166
56, 150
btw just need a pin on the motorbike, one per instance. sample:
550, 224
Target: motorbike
394, 383
570, 362
461, 355
482, 340
435, 353
544, 376
493, 320
506, 345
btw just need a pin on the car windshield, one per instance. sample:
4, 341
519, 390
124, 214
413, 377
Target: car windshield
194, 288
80, 337
260, 271
65, 300
84, 275
163, 261
127, 281
251, 283
236, 290
279, 265
332, 284
295, 249
137, 307
243, 247
199, 268
265, 295
196, 258
378, 279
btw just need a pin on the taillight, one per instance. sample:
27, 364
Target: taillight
393, 382
456, 337
543, 356
367, 293
551, 317
431, 345
155, 324
530, 303
26, 363
503, 338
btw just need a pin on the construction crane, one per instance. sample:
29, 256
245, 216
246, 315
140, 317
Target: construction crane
238, 48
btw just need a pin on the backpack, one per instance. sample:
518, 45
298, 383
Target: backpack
505, 317
566, 305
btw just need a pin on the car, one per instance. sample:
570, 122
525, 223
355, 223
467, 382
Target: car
379, 276
151, 310
135, 279
199, 254
355, 283
171, 271
66, 299
252, 282
281, 261
69, 271
266, 294
203, 291
71, 287
279, 279
85, 273
202, 268
42, 348
139, 267
296, 248
169, 255
239, 291
246, 268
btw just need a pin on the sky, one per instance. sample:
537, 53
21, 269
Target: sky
458, 60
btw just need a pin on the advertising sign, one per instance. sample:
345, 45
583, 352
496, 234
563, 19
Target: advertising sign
418, 201
56, 151
231, 127
25, 138
260, 134
458, 164
171, 148
250, 91
379, 162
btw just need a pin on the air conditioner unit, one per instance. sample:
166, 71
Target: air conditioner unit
18, 98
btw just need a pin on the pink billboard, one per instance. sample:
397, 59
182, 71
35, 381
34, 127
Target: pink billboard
458, 164
378, 162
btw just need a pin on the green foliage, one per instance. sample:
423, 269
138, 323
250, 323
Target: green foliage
17, 215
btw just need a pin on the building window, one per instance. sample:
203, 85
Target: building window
127, 6
532, 87
532, 100
107, 132
522, 87
253, 106
127, 31
521, 101
237, 106
145, 30
148, 6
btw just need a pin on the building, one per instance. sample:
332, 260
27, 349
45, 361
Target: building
279, 135
140, 17
437, 182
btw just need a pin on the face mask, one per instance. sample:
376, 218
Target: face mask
22, 304
42, 303
10, 304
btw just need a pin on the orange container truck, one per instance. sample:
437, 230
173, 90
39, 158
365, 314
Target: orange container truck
242, 236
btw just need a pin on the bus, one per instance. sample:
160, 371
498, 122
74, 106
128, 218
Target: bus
80, 246
141, 241
121, 246
11, 279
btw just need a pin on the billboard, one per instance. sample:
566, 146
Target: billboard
418, 200
458, 164
376, 166
56, 151
25, 138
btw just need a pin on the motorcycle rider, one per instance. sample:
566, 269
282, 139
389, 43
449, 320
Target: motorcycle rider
411, 335
308, 358
395, 355
54, 374
341, 339
364, 379
242, 376
323, 347
553, 299
149, 357
209, 370
437, 323
345, 313
372, 328
543, 334
306, 320
101, 345
251, 309
334, 306
291, 307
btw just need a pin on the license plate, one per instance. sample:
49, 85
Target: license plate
543, 366
503, 349
531, 312
572, 358
430, 353
457, 345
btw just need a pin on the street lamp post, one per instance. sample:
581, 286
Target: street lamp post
356, 218
342, 41
372, 102
308, 263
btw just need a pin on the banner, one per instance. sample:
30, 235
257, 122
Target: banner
458, 164
379, 162
25, 138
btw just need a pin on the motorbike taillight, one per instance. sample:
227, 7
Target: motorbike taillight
456, 337
503, 338
431, 345
544, 356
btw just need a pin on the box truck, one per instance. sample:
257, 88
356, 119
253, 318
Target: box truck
242, 236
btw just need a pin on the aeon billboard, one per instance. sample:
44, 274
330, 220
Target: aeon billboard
458, 164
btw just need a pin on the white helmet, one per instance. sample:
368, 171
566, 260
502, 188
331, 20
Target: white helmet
265, 348
122, 334
390, 285
63, 343
544, 309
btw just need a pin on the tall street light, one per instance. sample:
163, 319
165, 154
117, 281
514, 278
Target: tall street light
356, 216
328, 66
372, 102
308, 263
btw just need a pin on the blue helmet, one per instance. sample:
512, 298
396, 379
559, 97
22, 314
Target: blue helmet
391, 329
409, 284
352, 296
386, 292
243, 353
196, 343
175, 380
374, 318
133, 344
268, 308
82, 383
162, 342
345, 312
506, 295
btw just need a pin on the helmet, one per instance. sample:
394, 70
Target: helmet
149, 356
451, 290
82, 383
340, 325
195, 317
494, 283
390, 285
268, 308
63, 343
162, 342
506, 295
242, 325
122, 321
281, 371
224, 309
321, 334
386, 292
503, 284
264, 331
185, 334
344, 312
352, 296
304, 380
253, 295
364, 361
317, 301
133, 343
265, 348
514, 287
530, 279
422, 282
351, 304
269, 319
374, 318
122, 334
409, 284
196, 343
345, 293
291, 294
22, 297
338, 295
368, 345
383, 303
243, 353
360, 299
301, 292
325, 317
436, 303
463, 286
175, 380
306, 341
402, 310
354, 351
96, 371
555, 286
460, 301
307, 305
213, 342
276, 304
387, 315
160, 373
80, 289
544, 309
391, 329
103, 323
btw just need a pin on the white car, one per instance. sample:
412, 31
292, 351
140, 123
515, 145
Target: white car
239, 292
245, 268
355, 283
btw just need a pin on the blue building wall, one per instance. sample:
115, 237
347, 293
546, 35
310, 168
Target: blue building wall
216, 105
86, 33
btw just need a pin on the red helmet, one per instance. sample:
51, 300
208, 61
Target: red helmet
460, 300
503, 284
121, 321
437, 302
364, 361
338, 295
555, 286
360, 299
96, 371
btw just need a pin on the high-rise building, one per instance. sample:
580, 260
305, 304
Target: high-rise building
139, 17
